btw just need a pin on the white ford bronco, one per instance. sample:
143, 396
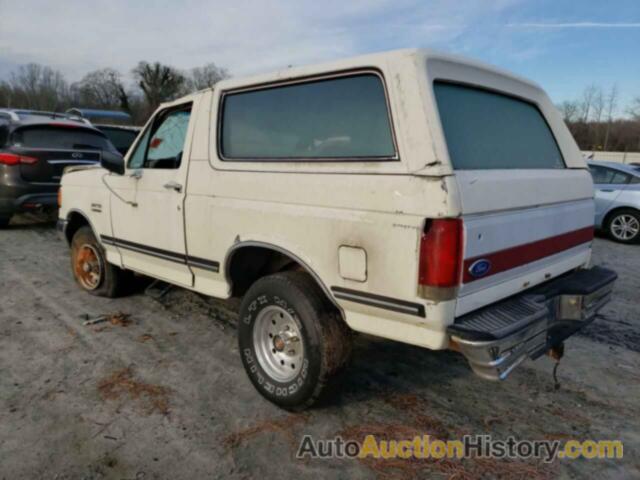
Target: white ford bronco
408, 195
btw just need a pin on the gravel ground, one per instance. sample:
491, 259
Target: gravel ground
162, 393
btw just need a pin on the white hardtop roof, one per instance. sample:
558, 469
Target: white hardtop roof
381, 60
362, 61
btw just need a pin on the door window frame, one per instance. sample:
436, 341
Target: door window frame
159, 116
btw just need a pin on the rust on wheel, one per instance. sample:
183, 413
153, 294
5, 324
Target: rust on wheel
87, 266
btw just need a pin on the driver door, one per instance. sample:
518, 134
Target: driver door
147, 204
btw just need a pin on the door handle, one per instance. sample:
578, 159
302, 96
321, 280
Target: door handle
606, 189
173, 186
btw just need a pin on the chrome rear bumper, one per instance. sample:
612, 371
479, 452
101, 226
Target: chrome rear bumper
498, 338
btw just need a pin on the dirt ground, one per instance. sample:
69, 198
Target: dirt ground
160, 392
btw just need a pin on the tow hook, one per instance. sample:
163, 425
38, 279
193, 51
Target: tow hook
556, 352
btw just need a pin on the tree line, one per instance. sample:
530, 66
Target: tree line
594, 120
39, 87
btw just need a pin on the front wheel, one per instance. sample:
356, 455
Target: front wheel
624, 226
292, 341
90, 268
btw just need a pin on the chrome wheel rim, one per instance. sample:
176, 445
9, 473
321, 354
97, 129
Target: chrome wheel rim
625, 227
278, 343
88, 267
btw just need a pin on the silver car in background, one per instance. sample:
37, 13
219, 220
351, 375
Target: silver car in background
617, 197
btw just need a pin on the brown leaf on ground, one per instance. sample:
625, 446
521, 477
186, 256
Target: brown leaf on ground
145, 338
451, 468
490, 420
119, 319
283, 426
415, 407
151, 398
570, 415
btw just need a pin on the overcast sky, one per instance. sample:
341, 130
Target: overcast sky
562, 44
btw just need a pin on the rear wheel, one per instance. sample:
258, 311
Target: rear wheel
624, 226
292, 340
90, 268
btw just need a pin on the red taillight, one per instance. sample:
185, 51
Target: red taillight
13, 159
9, 159
441, 253
28, 160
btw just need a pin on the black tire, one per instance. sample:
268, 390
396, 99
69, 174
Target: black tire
626, 216
111, 281
4, 222
325, 339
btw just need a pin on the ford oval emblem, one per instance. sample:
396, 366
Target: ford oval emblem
480, 268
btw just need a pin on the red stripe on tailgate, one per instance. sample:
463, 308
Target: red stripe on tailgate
529, 252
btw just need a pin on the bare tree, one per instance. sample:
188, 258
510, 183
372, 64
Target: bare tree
634, 109
586, 103
207, 76
38, 87
5, 94
598, 104
611, 105
103, 89
569, 110
158, 82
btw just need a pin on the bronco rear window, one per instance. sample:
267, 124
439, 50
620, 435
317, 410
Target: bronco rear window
64, 138
486, 130
341, 118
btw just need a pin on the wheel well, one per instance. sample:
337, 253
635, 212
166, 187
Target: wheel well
607, 218
248, 264
75, 221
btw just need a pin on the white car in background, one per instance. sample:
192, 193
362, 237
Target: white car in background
617, 197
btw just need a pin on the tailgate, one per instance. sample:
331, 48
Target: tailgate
521, 228
526, 203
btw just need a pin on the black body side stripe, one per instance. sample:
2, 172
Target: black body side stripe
163, 254
379, 301
203, 263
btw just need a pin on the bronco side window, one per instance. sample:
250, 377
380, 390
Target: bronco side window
162, 145
337, 118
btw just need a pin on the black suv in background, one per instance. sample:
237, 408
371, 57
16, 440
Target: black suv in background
121, 134
122, 137
35, 147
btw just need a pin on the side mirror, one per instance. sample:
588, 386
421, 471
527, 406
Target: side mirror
112, 161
